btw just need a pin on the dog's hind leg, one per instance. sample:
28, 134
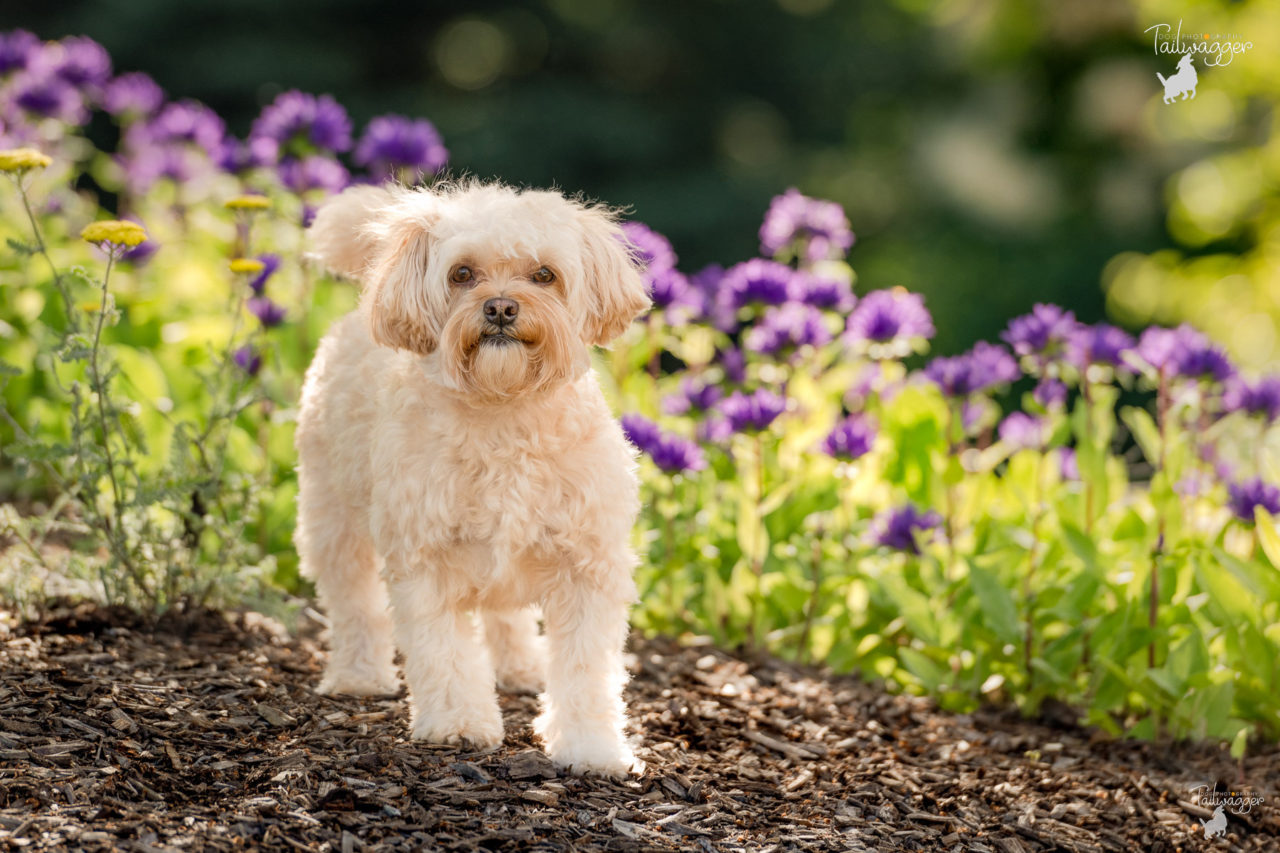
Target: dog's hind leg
339, 556
519, 652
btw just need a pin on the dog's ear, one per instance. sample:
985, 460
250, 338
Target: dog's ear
345, 233
406, 309
615, 291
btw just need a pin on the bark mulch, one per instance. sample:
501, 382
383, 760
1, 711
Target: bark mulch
114, 735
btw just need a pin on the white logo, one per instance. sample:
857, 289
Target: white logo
1216, 825
1181, 83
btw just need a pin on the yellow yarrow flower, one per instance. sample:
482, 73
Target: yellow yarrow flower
117, 232
21, 159
247, 265
248, 202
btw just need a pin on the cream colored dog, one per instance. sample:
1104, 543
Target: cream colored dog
453, 434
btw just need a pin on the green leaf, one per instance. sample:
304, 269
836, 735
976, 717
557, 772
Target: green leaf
35, 451
998, 607
1145, 432
1268, 538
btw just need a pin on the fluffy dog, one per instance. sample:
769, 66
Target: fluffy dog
457, 456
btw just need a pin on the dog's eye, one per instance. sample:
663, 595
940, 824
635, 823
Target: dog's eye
543, 275
461, 275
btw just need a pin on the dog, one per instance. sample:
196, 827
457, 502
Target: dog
1183, 82
1216, 825
457, 457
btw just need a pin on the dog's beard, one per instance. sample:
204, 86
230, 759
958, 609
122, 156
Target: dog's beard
538, 351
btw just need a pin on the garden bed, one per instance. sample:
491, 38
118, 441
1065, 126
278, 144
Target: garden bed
208, 736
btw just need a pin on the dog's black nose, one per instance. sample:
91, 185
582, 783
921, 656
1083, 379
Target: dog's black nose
501, 311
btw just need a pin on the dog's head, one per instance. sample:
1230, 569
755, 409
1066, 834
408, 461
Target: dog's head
1185, 62
509, 288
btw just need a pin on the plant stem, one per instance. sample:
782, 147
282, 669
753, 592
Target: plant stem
1153, 604
1028, 596
43, 251
757, 562
811, 611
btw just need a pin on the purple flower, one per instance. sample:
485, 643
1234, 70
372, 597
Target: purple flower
41, 93
851, 438
692, 397
268, 313
651, 248
17, 50
898, 528
1261, 398
1160, 349
303, 124
177, 163
734, 364
703, 287
1244, 497
1022, 431
1043, 333
785, 328
270, 263
1097, 344
1068, 469
1205, 361
714, 429
184, 122
982, 368
237, 157
668, 288
754, 282
316, 172
813, 229
248, 359
1050, 393
672, 453
80, 61
134, 95
890, 319
830, 293
752, 412
393, 142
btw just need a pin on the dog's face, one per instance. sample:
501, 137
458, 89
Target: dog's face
1185, 61
509, 289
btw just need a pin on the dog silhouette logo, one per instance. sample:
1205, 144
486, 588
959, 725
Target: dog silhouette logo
1216, 825
1182, 82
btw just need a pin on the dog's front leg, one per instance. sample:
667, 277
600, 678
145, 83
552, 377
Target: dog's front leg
583, 714
448, 670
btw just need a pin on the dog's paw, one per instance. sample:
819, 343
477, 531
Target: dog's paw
479, 729
605, 756
358, 684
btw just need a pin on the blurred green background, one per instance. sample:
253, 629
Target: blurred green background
990, 153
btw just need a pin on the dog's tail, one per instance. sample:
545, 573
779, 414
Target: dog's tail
1163, 82
341, 235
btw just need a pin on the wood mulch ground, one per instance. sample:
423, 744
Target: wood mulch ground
114, 736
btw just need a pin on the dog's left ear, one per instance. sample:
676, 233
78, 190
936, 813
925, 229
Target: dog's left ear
615, 290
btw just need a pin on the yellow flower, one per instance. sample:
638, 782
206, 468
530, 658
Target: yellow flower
247, 265
21, 159
114, 231
248, 202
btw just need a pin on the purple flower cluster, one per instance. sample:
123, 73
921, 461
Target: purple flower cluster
672, 453
651, 248
301, 124
832, 294
1259, 399
755, 282
692, 397
1098, 344
1022, 431
787, 328
1042, 334
269, 314
392, 143
248, 358
901, 527
753, 412
1245, 497
983, 368
810, 229
889, 321
132, 95
851, 438
182, 141
1181, 352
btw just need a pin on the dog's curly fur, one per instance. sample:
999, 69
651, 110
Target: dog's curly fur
448, 466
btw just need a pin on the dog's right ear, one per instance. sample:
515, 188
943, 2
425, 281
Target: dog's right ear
345, 234
406, 309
